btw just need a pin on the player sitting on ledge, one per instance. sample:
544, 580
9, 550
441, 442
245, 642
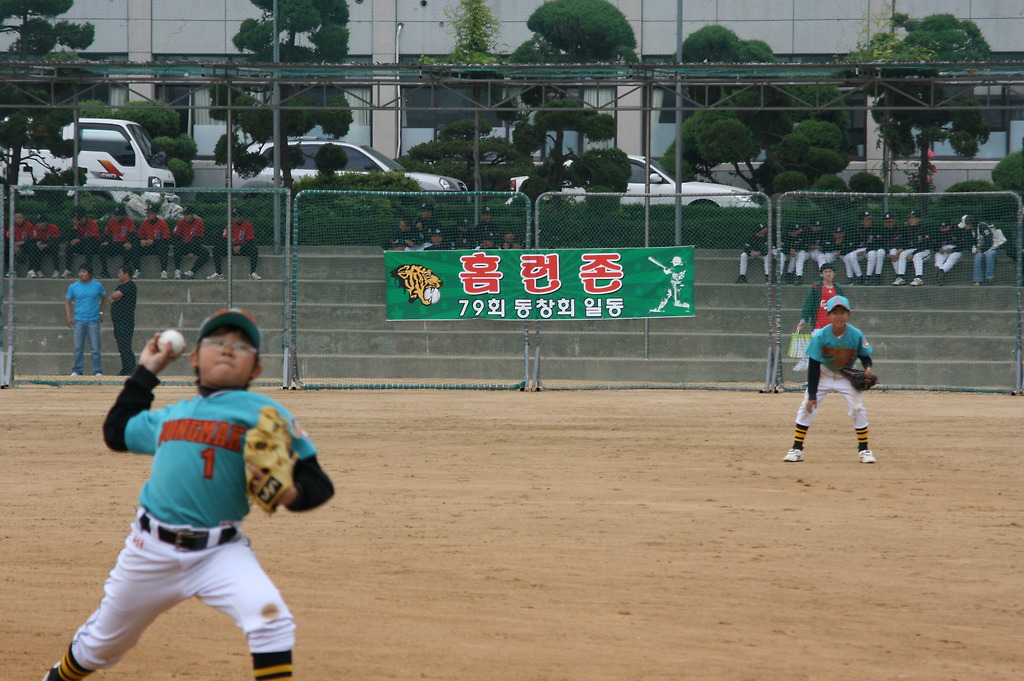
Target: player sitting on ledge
832, 349
186, 539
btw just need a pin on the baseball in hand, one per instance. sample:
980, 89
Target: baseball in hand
172, 338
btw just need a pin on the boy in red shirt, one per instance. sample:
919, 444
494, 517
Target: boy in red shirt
119, 238
154, 239
188, 240
85, 240
44, 243
243, 239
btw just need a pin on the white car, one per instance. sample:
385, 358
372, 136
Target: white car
361, 158
693, 193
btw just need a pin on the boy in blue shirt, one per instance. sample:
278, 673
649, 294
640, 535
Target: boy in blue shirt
186, 539
832, 349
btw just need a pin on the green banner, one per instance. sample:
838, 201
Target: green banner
623, 283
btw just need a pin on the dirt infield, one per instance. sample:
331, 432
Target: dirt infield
580, 536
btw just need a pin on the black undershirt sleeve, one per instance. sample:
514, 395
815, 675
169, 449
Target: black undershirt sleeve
865, 360
135, 397
813, 376
314, 486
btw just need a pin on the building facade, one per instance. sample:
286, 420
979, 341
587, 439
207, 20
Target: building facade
403, 31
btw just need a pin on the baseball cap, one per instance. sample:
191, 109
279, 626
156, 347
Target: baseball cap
151, 209
913, 214
827, 266
837, 301
236, 212
79, 212
231, 316
118, 210
888, 216
188, 210
486, 209
966, 220
866, 214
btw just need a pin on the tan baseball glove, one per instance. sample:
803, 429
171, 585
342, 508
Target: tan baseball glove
268, 447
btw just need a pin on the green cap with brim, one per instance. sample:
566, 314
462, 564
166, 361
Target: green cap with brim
231, 316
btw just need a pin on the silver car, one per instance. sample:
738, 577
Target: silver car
663, 188
361, 158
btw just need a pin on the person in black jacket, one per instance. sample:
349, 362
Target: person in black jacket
122, 314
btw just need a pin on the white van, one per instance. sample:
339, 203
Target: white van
114, 153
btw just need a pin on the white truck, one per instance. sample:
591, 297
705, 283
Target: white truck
114, 153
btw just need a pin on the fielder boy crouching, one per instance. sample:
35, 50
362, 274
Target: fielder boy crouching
833, 348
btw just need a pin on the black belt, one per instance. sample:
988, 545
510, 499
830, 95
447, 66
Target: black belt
188, 540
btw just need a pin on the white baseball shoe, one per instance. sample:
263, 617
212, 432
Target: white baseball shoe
163, 274
918, 281
216, 275
254, 276
866, 456
31, 274
794, 456
189, 274
900, 281
177, 274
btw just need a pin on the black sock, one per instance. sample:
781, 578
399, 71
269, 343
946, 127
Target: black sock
272, 666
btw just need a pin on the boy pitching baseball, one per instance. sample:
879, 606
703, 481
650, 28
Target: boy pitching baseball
833, 348
186, 539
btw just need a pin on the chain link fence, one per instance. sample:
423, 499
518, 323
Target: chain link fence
935, 291
939, 315
175, 247
341, 335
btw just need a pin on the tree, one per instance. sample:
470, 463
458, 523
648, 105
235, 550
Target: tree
909, 128
577, 32
475, 30
37, 33
1009, 173
323, 23
547, 130
454, 154
810, 144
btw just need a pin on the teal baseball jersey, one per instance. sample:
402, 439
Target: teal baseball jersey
198, 472
837, 353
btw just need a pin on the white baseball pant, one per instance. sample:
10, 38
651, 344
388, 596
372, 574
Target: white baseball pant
833, 381
151, 576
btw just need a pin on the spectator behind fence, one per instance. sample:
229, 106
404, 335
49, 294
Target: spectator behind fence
122, 315
856, 247
45, 245
757, 246
984, 249
83, 304
405, 238
154, 239
950, 244
22, 235
119, 238
243, 238
917, 241
85, 240
188, 243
